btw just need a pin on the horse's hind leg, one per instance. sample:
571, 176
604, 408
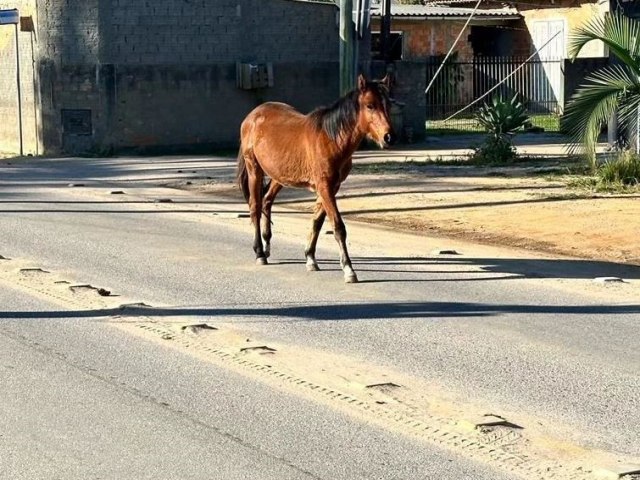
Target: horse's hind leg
318, 219
255, 178
267, 203
340, 232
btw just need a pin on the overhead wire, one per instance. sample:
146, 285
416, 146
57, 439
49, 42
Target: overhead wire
433, 79
505, 78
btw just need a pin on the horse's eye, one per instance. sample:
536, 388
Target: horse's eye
370, 106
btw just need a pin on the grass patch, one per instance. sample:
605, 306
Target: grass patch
550, 123
619, 175
451, 131
413, 166
454, 126
405, 167
569, 167
462, 126
624, 170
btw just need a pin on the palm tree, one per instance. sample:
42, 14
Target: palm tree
614, 88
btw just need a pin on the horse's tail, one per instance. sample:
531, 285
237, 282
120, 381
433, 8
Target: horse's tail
241, 175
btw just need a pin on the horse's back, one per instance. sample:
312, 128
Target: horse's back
273, 124
278, 137
273, 115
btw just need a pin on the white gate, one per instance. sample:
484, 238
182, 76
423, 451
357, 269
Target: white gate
549, 39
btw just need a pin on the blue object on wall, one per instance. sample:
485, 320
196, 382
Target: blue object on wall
9, 17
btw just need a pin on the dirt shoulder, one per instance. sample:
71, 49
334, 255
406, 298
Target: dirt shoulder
524, 206
525, 212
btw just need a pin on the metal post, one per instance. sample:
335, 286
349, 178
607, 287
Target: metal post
19, 91
385, 29
347, 47
35, 91
638, 130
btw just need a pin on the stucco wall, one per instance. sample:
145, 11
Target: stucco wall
9, 132
573, 14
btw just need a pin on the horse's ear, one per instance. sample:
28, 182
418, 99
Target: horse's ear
362, 83
386, 81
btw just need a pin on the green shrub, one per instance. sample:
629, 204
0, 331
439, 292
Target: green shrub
501, 119
620, 174
494, 151
622, 171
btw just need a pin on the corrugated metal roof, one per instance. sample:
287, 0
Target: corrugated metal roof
438, 11
469, 2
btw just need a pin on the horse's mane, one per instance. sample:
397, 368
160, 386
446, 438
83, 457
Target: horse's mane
339, 117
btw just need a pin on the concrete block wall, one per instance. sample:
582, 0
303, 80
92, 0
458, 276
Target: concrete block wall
408, 89
172, 32
69, 31
289, 31
162, 74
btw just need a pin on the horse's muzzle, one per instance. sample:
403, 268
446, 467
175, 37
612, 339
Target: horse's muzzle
389, 138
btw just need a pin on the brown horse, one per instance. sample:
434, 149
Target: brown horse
309, 151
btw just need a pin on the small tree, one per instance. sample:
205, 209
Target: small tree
501, 119
614, 88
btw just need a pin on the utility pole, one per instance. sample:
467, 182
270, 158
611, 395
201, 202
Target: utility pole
348, 47
385, 29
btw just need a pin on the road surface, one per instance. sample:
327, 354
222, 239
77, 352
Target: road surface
89, 389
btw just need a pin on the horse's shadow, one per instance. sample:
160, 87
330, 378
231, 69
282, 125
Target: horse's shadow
416, 269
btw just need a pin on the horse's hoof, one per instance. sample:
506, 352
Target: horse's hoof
261, 261
312, 267
352, 278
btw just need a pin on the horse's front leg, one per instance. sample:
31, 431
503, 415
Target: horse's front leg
267, 203
316, 225
328, 197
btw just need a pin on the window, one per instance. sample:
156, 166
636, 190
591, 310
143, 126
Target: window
395, 46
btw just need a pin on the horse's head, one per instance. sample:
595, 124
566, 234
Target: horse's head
373, 119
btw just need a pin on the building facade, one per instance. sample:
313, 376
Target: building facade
169, 75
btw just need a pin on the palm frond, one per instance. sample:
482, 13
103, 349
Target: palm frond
629, 113
619, 33
595, 102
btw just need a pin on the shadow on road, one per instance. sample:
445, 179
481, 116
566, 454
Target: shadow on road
342, 311
511, 267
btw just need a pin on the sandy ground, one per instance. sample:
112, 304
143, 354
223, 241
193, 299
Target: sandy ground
519, 211
514, 206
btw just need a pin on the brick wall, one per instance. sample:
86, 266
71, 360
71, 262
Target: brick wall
424, 38
163, 73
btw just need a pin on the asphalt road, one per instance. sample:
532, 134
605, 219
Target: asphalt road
81, 400
512, 333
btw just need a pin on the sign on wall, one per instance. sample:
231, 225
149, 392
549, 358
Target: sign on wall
9, 17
